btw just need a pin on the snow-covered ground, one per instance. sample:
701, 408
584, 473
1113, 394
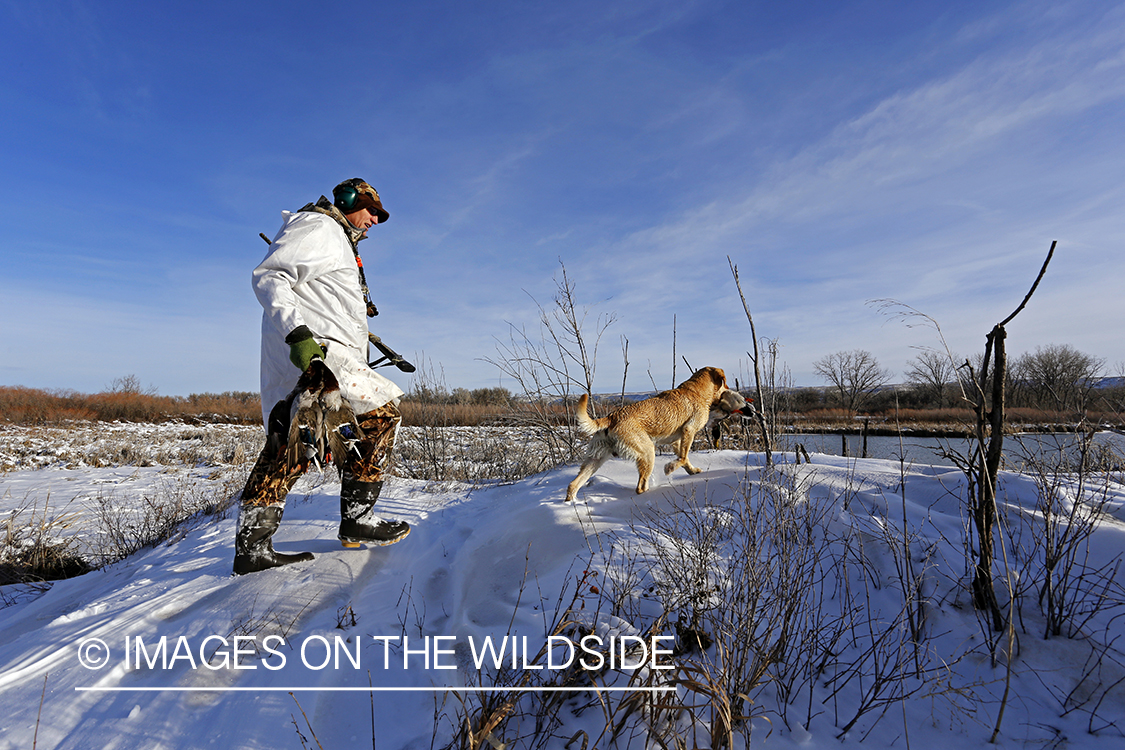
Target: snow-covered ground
97, 444
379, 645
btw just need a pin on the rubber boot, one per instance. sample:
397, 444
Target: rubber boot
253, 545
358, 524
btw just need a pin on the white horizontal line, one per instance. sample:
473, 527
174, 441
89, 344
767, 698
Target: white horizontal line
376, 689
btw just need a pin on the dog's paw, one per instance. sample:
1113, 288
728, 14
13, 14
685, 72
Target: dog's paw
692, 469
669, 467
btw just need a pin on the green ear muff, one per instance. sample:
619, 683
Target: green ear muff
346, 197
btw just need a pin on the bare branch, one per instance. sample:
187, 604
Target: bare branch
1043, 270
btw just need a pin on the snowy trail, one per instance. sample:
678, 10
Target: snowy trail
184, 590
180, 590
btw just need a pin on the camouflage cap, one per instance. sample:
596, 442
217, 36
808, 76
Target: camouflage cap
354, 194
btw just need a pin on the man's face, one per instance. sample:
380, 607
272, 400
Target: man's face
362, 219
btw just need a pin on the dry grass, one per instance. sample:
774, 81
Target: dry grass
98, 444
35, 546
167, 513
421, 414
427, 414
31, 406
22, 405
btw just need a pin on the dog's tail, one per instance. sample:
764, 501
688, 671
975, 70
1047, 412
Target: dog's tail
586, 423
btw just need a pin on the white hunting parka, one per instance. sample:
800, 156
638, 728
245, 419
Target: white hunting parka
311, 277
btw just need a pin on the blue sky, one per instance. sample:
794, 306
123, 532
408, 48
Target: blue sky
838, 152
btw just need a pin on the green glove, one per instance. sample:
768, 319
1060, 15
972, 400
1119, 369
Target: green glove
303, 348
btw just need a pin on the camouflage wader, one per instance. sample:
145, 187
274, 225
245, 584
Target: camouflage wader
361, 472
271, 478
380, 430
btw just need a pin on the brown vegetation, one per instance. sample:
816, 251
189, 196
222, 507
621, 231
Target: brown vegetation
428, 414
808, 409
22, 405
425, 414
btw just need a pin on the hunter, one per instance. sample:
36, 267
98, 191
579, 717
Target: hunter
315, 304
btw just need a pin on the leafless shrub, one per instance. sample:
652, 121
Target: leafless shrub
1072, 502
887, 671
443, 451
482, 718
553, 367
268, 622
780, 612
38, 545
345, 617
166, 514
745, 584
1103, 674
1055, 552
474, 455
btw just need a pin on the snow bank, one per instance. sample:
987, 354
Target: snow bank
396, 630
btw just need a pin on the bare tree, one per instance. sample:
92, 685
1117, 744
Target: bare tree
989, 408
854, 374
130, 385
551, 367
1114, 394
1058, 376
932, 372
760, 411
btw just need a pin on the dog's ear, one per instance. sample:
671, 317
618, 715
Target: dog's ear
719, 377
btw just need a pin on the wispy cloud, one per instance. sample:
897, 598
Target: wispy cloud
934, 193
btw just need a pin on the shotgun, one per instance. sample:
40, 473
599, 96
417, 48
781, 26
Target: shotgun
390, 356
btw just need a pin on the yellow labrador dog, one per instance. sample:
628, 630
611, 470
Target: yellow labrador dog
636, 429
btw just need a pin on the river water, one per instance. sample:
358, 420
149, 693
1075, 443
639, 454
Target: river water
932, 451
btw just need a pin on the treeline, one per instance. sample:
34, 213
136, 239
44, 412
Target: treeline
428, 393
433, 405
1054, 383
126, 401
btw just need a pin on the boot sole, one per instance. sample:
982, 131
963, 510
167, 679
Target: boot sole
349, 544
242, 567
